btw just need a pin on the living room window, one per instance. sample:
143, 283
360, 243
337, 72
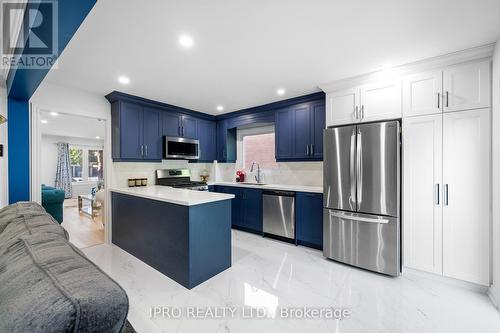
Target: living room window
87, 163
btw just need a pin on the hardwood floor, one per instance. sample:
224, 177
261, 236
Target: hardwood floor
83, 231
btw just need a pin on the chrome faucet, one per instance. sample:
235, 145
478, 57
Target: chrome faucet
257, 178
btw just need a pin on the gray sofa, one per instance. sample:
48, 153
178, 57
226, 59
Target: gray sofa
48, 285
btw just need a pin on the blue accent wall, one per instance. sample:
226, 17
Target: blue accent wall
21, 85
19, 153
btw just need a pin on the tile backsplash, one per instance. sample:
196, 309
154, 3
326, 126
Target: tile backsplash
289, 173
122, 171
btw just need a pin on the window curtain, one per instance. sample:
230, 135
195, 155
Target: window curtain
63, 173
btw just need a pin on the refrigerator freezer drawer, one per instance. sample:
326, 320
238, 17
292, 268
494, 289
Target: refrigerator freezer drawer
367, 241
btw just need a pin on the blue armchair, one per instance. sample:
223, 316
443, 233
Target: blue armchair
52, 201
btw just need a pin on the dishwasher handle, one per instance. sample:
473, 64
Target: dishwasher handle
279, 193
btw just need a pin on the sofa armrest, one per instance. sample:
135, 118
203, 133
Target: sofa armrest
52, 196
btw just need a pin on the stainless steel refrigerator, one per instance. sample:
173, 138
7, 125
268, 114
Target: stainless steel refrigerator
361, 215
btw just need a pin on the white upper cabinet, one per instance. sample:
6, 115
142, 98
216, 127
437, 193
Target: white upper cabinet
380, 100
374, 101
422, 189
467, 86
342, 107
422, 93
466, 203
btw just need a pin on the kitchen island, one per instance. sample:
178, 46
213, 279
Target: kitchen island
184, 234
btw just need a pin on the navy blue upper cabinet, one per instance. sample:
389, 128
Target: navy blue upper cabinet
176, 124
283, 134
188, 127
135, 132
221, 140
207, 135
319, 124
226, 142
152, 149
299, 132
128, 117
301, 124
171, 124
309, 219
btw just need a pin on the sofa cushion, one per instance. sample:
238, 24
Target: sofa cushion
24, 225
9, 213
46, 284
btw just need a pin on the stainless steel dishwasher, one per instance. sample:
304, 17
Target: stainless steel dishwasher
278, 208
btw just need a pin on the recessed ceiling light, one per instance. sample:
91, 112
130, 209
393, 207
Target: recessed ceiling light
280, 91
44, 121
97, 137
186, 41
123, 80
54, 114
220, 108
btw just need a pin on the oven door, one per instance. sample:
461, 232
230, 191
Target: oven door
180, 148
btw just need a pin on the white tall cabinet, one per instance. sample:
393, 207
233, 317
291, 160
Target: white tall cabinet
422, 188
445, 106
446, 194
466, 193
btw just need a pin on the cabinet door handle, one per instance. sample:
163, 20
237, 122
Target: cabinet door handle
356, 110
437, 194
179, 130
446, 194
362, 112
307, 150
312, 149
146, 150
447, 98
439, 97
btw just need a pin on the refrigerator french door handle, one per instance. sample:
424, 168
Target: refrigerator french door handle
446, 194
352, 197
437, 194
358, 218
359, 169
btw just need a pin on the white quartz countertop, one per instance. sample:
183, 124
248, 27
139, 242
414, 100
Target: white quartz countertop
173, 195
294, 188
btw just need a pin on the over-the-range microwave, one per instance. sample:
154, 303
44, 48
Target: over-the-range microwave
180, 148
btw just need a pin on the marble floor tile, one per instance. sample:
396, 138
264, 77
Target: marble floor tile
269, 276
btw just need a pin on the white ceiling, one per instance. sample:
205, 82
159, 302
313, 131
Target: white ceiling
245, 50
72, 126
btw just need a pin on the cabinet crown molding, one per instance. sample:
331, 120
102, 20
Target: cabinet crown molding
471, 54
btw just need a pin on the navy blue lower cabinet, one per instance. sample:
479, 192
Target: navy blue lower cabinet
251, 208
211, 188
189, 244
235, 203
309, 219
246, 208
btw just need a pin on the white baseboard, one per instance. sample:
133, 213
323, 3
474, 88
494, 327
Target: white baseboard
447, 280
493, 294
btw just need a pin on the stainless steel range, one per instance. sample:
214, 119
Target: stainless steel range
179, 178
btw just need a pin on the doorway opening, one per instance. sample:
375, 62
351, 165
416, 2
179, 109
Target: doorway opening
71, 174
